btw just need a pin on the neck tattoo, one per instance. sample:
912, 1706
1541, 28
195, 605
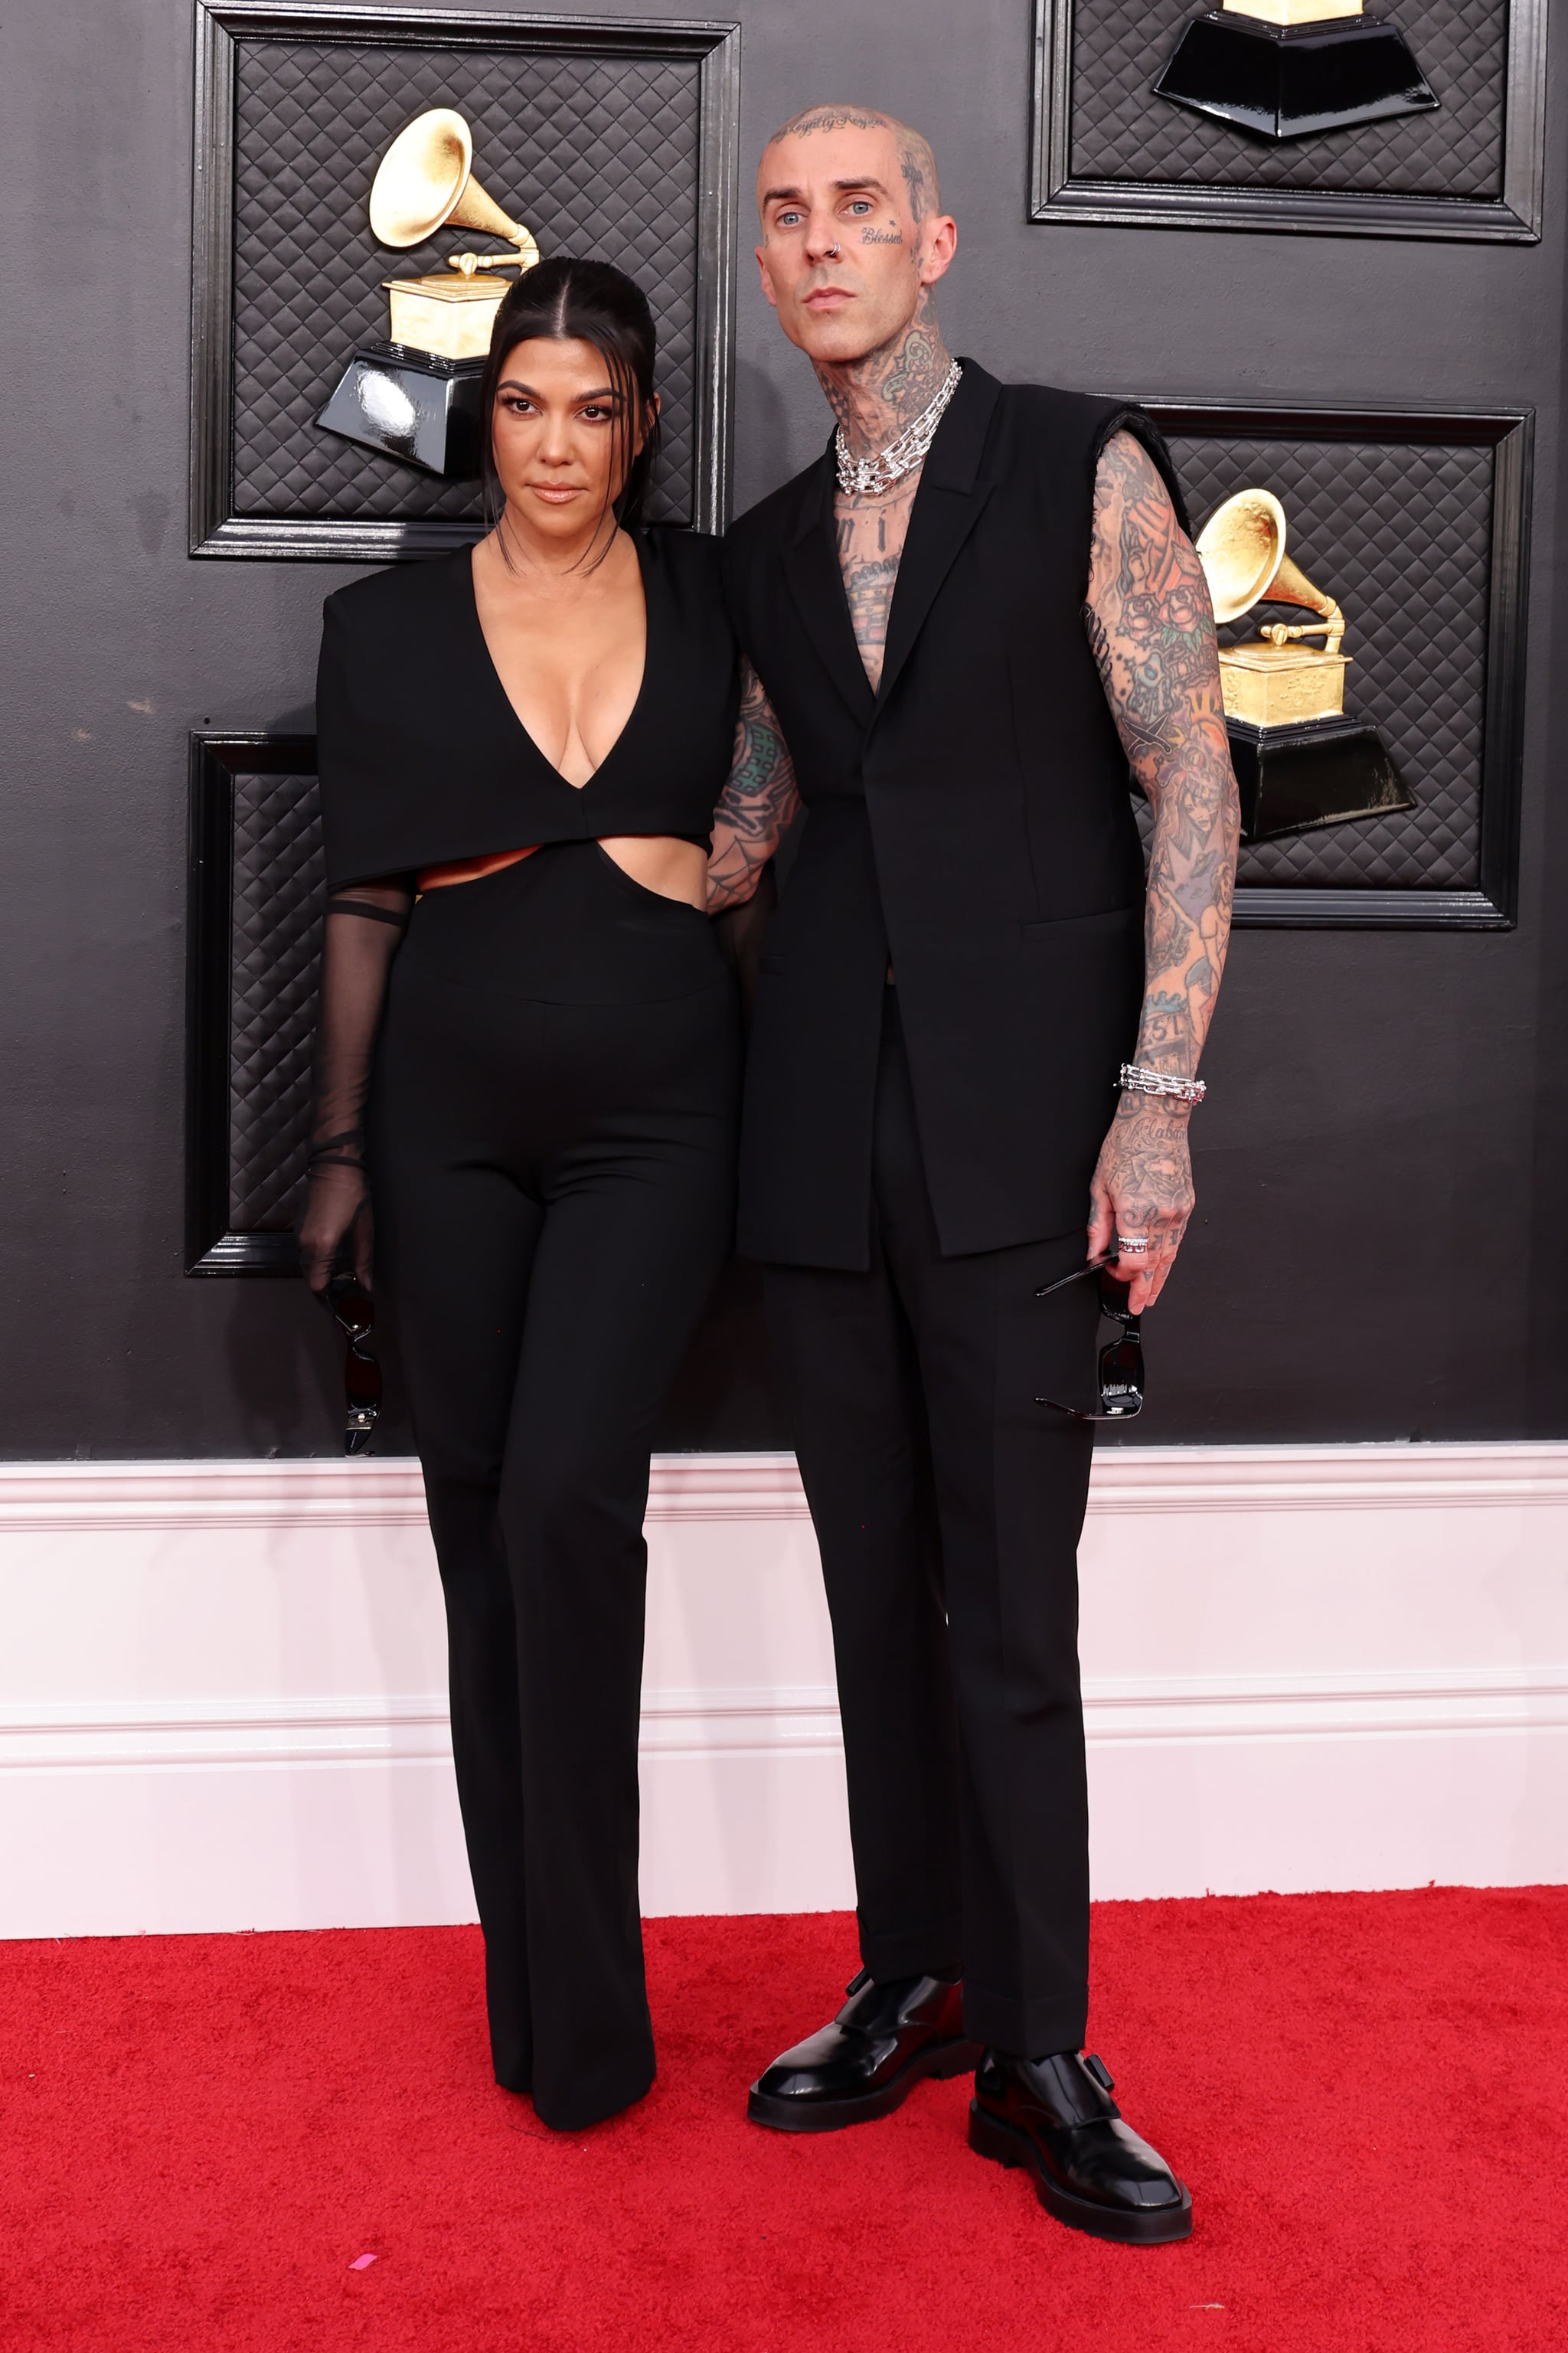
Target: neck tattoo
870, 476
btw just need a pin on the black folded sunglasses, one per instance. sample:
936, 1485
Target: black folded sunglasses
351, 1310
1121, 1360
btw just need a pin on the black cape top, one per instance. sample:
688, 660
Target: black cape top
423, 761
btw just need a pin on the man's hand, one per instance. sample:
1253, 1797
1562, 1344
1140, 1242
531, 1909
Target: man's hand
757, 804
1142, 1190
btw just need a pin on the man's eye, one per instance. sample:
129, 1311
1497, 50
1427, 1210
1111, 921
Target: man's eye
789, 220
860, 205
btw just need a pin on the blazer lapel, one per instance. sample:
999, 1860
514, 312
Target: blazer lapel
811, 567
954, 489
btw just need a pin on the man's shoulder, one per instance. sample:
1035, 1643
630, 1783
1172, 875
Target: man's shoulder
772, 519
1036, 406
1052, 428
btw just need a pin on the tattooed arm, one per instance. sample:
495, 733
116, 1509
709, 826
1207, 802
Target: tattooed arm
756, 805
1151, 629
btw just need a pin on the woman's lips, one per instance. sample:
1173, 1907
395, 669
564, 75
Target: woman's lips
557, 493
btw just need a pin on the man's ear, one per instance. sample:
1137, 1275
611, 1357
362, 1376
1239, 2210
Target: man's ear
767, 281
940, 243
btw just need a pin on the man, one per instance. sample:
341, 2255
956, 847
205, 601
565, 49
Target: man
966, 622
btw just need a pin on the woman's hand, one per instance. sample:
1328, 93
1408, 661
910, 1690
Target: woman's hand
335, 1224
1142, 1192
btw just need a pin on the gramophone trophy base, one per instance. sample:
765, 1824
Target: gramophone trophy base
1322, 772
413, 405
1292, 81
453, 317
1276, 686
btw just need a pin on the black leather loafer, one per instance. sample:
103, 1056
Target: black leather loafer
883, 2040
1057, 2117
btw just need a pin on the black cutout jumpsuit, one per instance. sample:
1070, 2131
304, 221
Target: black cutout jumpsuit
550, 1143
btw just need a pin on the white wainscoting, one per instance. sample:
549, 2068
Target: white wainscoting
221, 1700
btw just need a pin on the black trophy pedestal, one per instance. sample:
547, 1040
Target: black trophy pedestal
411, 405
1290, 81
1319, 772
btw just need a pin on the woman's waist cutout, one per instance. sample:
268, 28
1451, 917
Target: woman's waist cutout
469, 870
669, 865
565, 924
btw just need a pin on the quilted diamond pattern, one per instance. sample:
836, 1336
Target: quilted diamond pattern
1401, 534
597, 154
1121, 131
279, 888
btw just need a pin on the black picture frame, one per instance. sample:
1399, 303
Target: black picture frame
1510, 434
215, 529
1056, 194
216, 757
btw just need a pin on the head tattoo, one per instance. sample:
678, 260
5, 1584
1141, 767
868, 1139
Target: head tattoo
916, 161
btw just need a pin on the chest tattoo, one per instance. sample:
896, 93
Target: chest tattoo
869, 534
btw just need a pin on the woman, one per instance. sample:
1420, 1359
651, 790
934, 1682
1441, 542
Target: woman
520, 749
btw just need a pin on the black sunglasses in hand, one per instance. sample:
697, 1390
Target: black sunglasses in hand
1121, 1360
350, 1305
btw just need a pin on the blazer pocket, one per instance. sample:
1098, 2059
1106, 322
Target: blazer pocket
1069, 928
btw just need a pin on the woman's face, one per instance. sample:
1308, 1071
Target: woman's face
561, 450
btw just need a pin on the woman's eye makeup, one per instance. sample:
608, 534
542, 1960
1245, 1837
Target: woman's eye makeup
592, 412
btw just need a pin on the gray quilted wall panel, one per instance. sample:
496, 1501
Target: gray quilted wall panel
598, 156
278, 890
1401, 534
1121, 132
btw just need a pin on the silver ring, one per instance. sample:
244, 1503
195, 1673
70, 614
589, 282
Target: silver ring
1133, 1243
833, 253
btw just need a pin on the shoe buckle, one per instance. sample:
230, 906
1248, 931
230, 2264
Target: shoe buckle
1093, 2065
859, 1982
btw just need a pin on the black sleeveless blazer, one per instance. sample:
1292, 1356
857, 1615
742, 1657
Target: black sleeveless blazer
971, 818
422, 759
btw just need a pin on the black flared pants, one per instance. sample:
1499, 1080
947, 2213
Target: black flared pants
948, 1506
551, 1151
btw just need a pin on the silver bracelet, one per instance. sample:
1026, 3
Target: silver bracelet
1136, 1080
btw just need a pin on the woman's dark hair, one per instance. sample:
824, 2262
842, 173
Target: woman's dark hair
588, 302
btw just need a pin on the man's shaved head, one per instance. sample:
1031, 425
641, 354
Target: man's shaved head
916, 161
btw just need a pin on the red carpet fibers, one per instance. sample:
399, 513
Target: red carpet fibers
1367, 2093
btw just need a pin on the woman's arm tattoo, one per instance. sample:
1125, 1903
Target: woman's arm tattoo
1150, 626
757, 804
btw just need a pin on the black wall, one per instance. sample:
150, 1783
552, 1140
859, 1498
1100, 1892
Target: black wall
1381, 1165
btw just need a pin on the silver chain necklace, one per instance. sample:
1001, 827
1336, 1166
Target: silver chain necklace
879, 472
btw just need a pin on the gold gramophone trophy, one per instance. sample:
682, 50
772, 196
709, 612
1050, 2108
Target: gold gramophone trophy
415, 396
1292, 69
1299, 763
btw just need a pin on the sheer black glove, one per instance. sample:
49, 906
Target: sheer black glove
361, 933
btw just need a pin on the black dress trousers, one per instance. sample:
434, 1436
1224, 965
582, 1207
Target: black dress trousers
948, 1506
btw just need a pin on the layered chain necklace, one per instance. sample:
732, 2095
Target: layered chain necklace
871, 476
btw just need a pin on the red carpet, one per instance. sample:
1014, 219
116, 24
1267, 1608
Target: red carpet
1367, 2093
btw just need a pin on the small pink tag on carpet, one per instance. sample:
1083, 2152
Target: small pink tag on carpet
362, 2262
